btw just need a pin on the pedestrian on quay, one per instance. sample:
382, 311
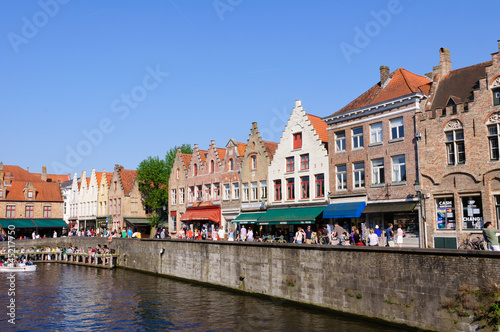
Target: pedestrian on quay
379, 234
389, 235
300, 235
373, 239
400, 234
308, 232
230, 235
491, 236
243, 233
221, 233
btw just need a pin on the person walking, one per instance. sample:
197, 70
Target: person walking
379, 234
299, 236
491, 236
400, 234
389, 235
308, 232
243, 233
373, 239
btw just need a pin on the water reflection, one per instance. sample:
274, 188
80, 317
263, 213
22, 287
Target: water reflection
74, 298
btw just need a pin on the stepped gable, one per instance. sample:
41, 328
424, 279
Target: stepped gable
186, 157
459, 85
320, 126
400, 82
270, 148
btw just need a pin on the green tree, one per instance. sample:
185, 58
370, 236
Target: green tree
152, 176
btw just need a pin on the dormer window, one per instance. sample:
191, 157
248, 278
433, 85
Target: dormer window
230, 165
297, 140
195, 170
212, 166
30, 194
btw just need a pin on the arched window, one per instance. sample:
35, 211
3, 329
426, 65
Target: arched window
455, 146
195, 170
177, 173
212, 166
230, 165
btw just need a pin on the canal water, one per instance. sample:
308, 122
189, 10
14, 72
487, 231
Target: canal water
60, 297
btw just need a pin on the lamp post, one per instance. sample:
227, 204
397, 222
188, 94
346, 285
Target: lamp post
422, 233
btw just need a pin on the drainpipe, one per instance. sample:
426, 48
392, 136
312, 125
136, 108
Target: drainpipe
418, 189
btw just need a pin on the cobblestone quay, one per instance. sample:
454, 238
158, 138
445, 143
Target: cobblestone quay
409, 286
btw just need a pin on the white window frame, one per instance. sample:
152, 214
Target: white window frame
398, 125
174, 197
398, 167
378, 171
263, 189
340, 141
493, 140
246, 193
236, 190
181, 195
341, 176
227, 192
255, 191
376, 133
452, 146
357, 138
358, 175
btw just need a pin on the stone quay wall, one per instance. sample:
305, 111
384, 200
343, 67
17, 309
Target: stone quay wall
399, 285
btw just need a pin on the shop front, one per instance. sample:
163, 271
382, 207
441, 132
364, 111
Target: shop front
397, 213
139, 225
346, 214
197, 218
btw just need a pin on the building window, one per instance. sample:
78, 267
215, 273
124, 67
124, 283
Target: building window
277, 190
255, 191
195, 170
304, 161
30, 194
216, 191
177, 173
359, 174
212, 166
29, 211
376, 133
304, 187
236, 190
47, 211
11, 211
340, 141
245, 192
397, 128
227, 192
398, 168
290, 164
174, 196
230, 165
199, 193
263, 189
191, 194
208, 192
493, 139
253, 162
320, 185
496, 97
378, 171
1, 193
119, 206
341, 177
472, 212
455, 147
357, 138
173, 218
297, 140
445, 213
181, 195
497, 205
290, 188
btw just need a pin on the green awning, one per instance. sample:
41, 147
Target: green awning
287, 216
17, 223
248, 218
55, 223
138, 221
390, 207
286, 222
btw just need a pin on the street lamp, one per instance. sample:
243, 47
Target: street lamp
421, 236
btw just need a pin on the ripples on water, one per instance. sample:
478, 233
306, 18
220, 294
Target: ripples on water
61, 297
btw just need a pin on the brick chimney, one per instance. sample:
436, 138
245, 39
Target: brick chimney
254, 125
444, 62
44, 173
384, 74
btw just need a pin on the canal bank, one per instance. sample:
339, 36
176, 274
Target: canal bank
414, 287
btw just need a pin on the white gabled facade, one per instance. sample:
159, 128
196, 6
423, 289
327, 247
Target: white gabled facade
73, 199
305, 164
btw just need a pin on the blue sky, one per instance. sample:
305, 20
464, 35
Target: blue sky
91, 84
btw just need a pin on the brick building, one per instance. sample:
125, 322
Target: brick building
373, 154
204, 194
177, 184
103, 217
254, 177
460, 150
230, 176
125, 203
31, 202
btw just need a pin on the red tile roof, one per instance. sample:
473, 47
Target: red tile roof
320, 127
127, 177
401, 82
221, 152
45, 191
270, 148
187, 159
459, 84
241, 149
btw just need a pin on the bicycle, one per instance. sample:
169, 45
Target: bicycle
469, 244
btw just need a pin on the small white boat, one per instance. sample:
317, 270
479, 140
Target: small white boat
27, 268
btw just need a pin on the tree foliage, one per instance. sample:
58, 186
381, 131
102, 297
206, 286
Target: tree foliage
152, 176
